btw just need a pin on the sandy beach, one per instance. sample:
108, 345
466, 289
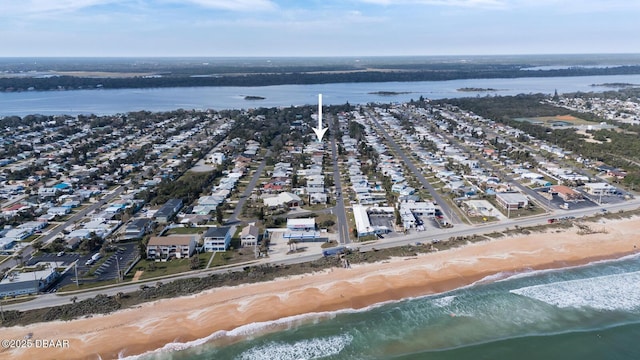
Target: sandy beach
152, 325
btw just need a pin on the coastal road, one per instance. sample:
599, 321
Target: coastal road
49, 300
341, 214
446, 209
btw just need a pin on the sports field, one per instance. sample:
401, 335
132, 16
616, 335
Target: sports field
558, 120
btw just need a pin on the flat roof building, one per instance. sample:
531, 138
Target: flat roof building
23, 283
306, 224
511, 200
601, 188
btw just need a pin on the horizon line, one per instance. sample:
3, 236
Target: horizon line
300, 56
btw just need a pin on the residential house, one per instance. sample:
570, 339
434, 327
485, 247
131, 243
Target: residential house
217, 158
167, 247
284, 198
217, 238
136, 229
249, 235
318, 198
59, 211
168, 210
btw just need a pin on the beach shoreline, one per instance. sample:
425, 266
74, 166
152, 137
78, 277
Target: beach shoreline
151, 326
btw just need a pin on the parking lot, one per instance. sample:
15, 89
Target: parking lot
108, 269
382, 220
119, 260
62, 261
558, 202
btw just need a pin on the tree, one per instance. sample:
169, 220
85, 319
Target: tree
195, 262
37, 245
219, 215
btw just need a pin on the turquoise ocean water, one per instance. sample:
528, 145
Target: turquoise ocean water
589, 312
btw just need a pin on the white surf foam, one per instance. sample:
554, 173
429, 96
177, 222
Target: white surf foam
512, 275
443, 301
305, 349
248, 330
610, 292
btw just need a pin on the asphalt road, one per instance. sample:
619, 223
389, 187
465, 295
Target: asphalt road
247, 192
446, 209
342, 224
48, 300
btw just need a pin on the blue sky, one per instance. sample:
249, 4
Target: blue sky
316, 27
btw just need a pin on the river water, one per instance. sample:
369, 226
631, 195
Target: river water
107, 102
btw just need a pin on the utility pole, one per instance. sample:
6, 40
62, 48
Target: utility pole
118, 267
76, 271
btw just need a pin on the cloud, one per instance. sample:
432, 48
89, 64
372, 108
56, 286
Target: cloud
47, 7
234, 5
28, 7
453, 3
583, 6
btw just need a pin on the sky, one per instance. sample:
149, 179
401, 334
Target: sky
270, 28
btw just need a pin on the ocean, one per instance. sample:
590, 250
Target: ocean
587, 312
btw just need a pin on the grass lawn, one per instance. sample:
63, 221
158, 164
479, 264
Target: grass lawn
19, 299
482, 219
86, 285
219, 259
156, 268
186, 230
30, 238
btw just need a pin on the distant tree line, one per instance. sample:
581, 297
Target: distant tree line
175, 79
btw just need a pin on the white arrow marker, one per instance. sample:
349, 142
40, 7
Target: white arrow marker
320, 131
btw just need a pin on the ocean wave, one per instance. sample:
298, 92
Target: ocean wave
525, 273
304, 349
248, 331
443, 301
609, 292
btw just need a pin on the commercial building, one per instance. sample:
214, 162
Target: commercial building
24, 283
511, 200
600, 189
566, 193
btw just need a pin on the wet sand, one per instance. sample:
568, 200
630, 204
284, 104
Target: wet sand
152, 325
